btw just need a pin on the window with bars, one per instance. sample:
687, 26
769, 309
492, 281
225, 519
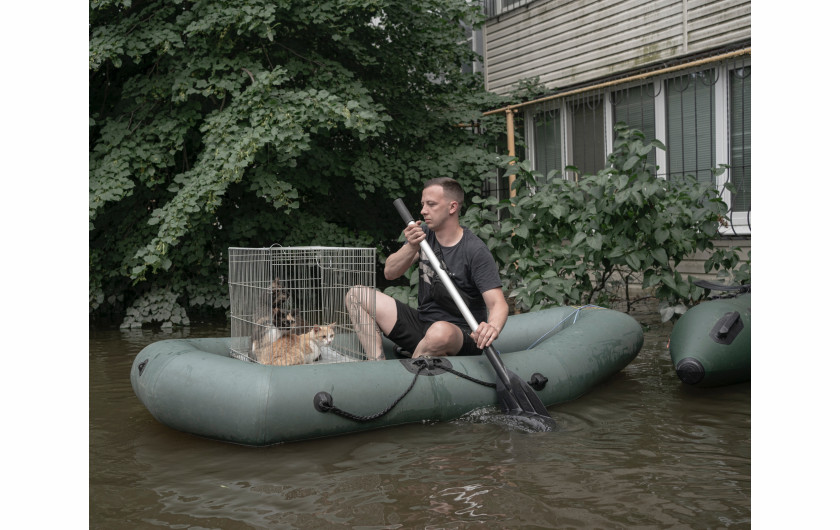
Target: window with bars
740, 142
587, 135
635, 107
702, 116
497, 7
690, 139
583, 142
548, 140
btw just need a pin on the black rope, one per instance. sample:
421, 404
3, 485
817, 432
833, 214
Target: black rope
324, 402
465, 376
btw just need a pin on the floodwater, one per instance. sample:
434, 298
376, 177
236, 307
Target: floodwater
642, 450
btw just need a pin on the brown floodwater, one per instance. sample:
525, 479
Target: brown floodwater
641, 450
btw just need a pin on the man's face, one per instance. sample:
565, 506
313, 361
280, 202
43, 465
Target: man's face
436, 207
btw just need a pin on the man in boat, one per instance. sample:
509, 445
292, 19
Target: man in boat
436, 328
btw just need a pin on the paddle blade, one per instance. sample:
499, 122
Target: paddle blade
523, 402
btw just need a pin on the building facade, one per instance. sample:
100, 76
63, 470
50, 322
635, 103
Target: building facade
679, 70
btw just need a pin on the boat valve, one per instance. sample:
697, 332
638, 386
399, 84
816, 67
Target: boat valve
690, 371
538, 381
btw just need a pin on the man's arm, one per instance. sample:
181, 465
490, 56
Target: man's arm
397, 263
497, 313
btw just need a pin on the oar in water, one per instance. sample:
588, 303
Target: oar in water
516, 397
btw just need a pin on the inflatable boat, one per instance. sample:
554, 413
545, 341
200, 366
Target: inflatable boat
710, 343
196, 386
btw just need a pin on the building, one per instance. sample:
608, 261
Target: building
679, 70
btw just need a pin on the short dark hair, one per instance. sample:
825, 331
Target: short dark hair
450, 186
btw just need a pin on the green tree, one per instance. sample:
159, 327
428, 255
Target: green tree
244, 123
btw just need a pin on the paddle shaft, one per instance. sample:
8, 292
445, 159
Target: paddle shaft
490, 352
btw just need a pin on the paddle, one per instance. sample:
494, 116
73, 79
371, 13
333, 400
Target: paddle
515, 396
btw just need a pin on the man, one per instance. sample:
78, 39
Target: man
436, 327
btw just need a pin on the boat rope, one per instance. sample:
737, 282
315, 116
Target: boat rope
324, 401
465, 376
574, 314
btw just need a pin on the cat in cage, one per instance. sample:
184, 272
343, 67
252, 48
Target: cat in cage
282, 322
279, 294
296, 348
267, 328
282, 316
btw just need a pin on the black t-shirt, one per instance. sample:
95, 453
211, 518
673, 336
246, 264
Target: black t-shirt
472, 269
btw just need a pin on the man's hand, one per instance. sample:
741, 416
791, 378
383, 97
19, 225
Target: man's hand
497, 313
397, 263
414, 235
484, 335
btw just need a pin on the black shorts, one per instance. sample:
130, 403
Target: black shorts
410, 330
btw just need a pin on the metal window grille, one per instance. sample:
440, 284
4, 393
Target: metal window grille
686, 108
279, 295
497, 7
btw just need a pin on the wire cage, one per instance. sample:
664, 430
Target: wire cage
293, 305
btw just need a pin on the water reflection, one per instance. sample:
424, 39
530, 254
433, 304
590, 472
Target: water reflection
466, 496
642, 450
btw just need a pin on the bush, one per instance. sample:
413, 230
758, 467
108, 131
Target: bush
571, 240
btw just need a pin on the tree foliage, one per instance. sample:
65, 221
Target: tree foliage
217, 124
567, 242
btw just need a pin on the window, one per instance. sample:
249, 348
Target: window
702, 117
635, 106
474, 37
740, 141
690, 104
548, 140
497, 7
587, 136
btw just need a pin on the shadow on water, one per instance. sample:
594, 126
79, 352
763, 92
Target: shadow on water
641, 450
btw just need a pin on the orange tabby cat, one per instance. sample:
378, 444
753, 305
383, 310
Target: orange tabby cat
297, 349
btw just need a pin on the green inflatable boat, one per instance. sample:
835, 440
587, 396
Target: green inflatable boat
710, 343
196, 386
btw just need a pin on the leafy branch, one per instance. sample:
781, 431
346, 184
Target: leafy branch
566, 242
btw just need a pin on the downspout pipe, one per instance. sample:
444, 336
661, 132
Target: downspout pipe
511, 145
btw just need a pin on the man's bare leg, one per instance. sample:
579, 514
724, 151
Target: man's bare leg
442, 338
362, 302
